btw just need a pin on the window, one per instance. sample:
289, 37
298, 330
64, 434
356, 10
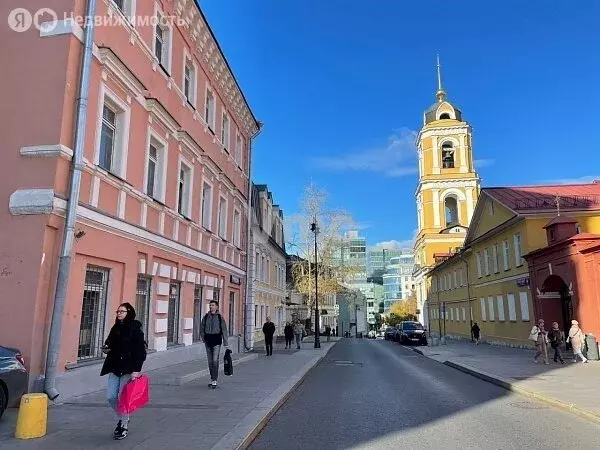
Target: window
524, 306
447, 155
209, 110
512, 312
162, 42
455, 279
518, 250
222, 218
486, 261
126, 7
237, 228
491, 308
495, 256
262, 314
156, 169
268, 280
256, 316
173, 313
444, 116
93, 306
189, 81
451, 206
478, 264
113, 133
231, 321
451, 313
184, 188
142, 301
197, 317
207, 206
239, 144
464, 314
107, 141
505, 254
264, 267
483, 312
500, 300
225, 132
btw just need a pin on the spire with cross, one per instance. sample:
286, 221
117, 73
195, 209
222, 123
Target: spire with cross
441, 94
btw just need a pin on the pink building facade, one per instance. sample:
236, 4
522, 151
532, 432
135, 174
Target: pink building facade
163, 206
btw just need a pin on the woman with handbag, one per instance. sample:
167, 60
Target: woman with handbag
125, 350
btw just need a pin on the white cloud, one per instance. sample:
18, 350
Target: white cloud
480, 163
394, 244
395, 159
580, 180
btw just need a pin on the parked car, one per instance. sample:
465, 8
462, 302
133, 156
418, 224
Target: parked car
13, 378
390, 334
411, 332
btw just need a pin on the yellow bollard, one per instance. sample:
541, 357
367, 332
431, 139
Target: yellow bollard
33, 416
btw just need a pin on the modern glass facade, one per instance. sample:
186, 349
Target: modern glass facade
398, 283
378, 260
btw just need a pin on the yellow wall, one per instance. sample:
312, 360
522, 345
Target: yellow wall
499, 285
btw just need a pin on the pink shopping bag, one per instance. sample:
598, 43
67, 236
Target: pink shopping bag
134, 395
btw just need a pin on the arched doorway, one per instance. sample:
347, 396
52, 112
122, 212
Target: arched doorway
557, 305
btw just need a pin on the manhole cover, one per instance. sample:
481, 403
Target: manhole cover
527, 405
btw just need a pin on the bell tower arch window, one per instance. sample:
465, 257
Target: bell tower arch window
444, 116
451, 209
448, 155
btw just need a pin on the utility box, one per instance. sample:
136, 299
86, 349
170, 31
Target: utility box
591, 346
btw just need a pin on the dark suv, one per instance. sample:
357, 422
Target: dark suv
13, 377
411, 333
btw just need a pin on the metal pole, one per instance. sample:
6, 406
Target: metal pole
317, 327
250, 269
469, 296
64, 264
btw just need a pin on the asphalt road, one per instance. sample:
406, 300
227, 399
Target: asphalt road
370, 394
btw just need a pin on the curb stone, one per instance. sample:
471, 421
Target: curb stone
246, 431
512, 387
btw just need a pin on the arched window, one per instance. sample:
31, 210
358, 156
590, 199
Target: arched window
444, 116
447, 155
451, 207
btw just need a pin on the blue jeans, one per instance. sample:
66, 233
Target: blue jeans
212, 354
114, 388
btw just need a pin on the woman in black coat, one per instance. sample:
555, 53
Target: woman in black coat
126, 352
288, 331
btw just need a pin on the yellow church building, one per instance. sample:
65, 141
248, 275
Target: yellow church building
469, 252
448, 187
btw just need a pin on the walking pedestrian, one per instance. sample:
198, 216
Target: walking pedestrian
328, 332
125, 350
269, 330
299, 332
213, 332
556, 338
539, 336
577, 339
288, 331
475, 331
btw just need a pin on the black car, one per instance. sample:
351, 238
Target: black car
390, 334
411, 333
13, 378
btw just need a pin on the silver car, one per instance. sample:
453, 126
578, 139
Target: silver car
13, 378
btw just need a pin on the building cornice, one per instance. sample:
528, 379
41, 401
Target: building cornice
213, 59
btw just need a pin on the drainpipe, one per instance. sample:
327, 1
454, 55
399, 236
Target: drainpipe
64, 263
468, 294
249, 273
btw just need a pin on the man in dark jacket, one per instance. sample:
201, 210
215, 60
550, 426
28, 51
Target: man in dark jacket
213, 332
125, 350
269, 330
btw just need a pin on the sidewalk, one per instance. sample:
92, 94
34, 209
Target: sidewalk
181, 413
573, 387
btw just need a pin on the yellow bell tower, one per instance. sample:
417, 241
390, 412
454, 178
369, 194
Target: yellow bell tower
448, 185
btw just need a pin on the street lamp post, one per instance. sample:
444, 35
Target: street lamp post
315, 229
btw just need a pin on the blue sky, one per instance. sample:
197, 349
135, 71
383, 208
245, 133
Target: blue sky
341, 86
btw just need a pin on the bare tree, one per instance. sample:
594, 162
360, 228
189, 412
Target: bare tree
331, 224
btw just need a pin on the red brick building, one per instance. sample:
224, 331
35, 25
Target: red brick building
565, 277
163, 203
